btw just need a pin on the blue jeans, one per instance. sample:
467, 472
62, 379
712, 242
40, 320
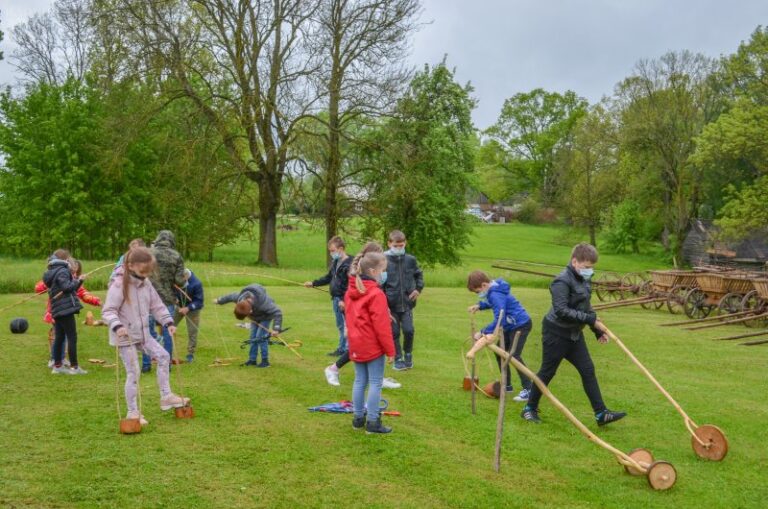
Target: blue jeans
167, 341
339, 314
369, 373
259, 341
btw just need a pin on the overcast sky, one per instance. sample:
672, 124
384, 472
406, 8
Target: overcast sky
508, 46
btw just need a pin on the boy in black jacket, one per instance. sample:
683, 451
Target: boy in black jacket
403, 284
338, 280
562, 336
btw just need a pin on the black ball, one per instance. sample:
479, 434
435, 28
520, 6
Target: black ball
19, 325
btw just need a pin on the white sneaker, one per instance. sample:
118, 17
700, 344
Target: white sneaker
50, 363
77, 371
332, 375
61, 370
137, 415
173, 401
390, 383
66, 362
522, 396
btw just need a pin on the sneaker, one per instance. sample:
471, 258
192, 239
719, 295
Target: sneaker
376, 427
146, 369
335, 353
408, 362
77, 370
51, 363
137, 415
399, 364
250, 363
509, 389
390, 383
530, 415
358, 422
522, 395
173, 401
332, 375
607, 416
263, 364
61, 370
66, 362
190, 357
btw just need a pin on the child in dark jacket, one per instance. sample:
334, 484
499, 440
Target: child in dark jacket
370, 340
62, 290
337, 280
254, 303
403, 284
496, 295
191, 300
562, 336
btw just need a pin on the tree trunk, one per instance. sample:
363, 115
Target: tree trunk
269, 203
592, 234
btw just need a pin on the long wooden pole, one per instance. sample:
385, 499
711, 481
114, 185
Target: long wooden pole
279, 338
742, 336
276, 278
707, 319
752, 343
719, 324
523, 271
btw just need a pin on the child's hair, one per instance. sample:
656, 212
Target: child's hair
396, 236
62, 254
243, 309
139, 242
338, 242
477, 278
369, 247
134, 255
77, 267
369, 261
584, 252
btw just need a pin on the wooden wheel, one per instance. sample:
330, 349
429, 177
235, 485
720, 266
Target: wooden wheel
729, 304
716, 444
606, 286
753, 302
676, 299
695, 305
631, 285
661, 475
642, 456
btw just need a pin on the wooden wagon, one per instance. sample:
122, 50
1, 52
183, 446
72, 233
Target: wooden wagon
757, 302
672, 284
722, 291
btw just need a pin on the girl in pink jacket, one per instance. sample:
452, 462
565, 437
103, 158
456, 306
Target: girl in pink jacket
129, 302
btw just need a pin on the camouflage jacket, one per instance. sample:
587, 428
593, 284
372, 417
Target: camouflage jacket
170, 267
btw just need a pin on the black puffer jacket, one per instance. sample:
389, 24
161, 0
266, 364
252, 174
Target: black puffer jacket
571, 309
337, 277
62, 288
403, 277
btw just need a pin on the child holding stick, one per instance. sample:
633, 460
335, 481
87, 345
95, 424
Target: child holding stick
130, 300
370, 340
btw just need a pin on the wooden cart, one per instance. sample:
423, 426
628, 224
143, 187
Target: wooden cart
672, 284
757, 302
724, 292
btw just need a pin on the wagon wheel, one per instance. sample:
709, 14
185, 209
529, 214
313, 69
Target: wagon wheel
631, 285
695, 305
605, 286
646, 290
753, 302
729, 304
676, 299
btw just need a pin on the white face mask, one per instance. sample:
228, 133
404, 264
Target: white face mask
397, 251
586, 273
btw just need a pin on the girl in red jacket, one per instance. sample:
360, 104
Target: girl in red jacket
370, 339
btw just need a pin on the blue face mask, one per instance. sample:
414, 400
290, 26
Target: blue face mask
335, 256
383, 277
586, 273
397, 251
482, 295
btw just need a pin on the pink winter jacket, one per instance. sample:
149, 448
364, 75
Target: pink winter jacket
133, 314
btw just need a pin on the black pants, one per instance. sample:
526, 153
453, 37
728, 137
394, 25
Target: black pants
509, 338
403, 320
344, 359
66, 330
555, 349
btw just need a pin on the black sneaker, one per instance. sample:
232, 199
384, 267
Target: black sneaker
358, 422
408, 362
146, 369
263, 364
335, 353
376, 427
250, 363
399, 364
530, 415
509, 389
606, 416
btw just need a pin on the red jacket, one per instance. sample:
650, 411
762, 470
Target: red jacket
369, 331
82, 294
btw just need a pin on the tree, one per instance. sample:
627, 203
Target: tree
425, 155
531, 128
745, 212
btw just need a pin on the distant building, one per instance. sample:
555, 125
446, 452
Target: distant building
702, 247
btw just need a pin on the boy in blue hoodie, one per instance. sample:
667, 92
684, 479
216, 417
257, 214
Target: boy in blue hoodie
496, 295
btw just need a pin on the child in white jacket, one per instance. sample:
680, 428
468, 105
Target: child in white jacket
129, 302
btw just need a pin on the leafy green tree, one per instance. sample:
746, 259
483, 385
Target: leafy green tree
745, 212
531, 128
424, 157
623, 227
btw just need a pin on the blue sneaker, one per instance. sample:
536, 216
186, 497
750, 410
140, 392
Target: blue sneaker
190, 358
408, 361
263, 364
530, 415
399, 364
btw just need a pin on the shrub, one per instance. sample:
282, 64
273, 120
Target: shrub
623, 229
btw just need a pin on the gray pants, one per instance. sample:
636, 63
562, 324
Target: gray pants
132, 373
193, 326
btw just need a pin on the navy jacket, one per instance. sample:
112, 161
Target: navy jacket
194, 294
499, 297
403, 277
264, 308
62, 288
571, 309
337, 277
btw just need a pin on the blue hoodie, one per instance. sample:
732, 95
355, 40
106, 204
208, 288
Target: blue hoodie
500, 298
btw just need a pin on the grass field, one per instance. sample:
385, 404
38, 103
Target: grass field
254, 444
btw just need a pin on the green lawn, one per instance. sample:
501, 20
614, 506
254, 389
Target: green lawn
254, 444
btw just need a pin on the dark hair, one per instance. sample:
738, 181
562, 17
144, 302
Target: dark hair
396, 236
243, 309
584, 252
476, 279
337, 241
135, 255
77, 267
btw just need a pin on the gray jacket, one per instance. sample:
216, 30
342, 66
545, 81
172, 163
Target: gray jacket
263, 307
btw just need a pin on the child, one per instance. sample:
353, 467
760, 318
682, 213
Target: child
62, 290
190, 299
562, 336
130, 300
337, 279
370, 340
254, 303
118, 270
403, 285
82, 294
496, 295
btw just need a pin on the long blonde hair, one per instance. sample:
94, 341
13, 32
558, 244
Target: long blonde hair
372, 260
134, 255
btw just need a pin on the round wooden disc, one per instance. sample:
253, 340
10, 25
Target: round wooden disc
715, 438
130, 426
185, 412
642, 456
493, 389
661, 475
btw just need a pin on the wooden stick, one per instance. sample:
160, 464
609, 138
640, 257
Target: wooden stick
627, 303
756, 342
707, 319
742, 336
280, 339
275, 278
719, 324
25, 299
472, 330
523, 271
502, 402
